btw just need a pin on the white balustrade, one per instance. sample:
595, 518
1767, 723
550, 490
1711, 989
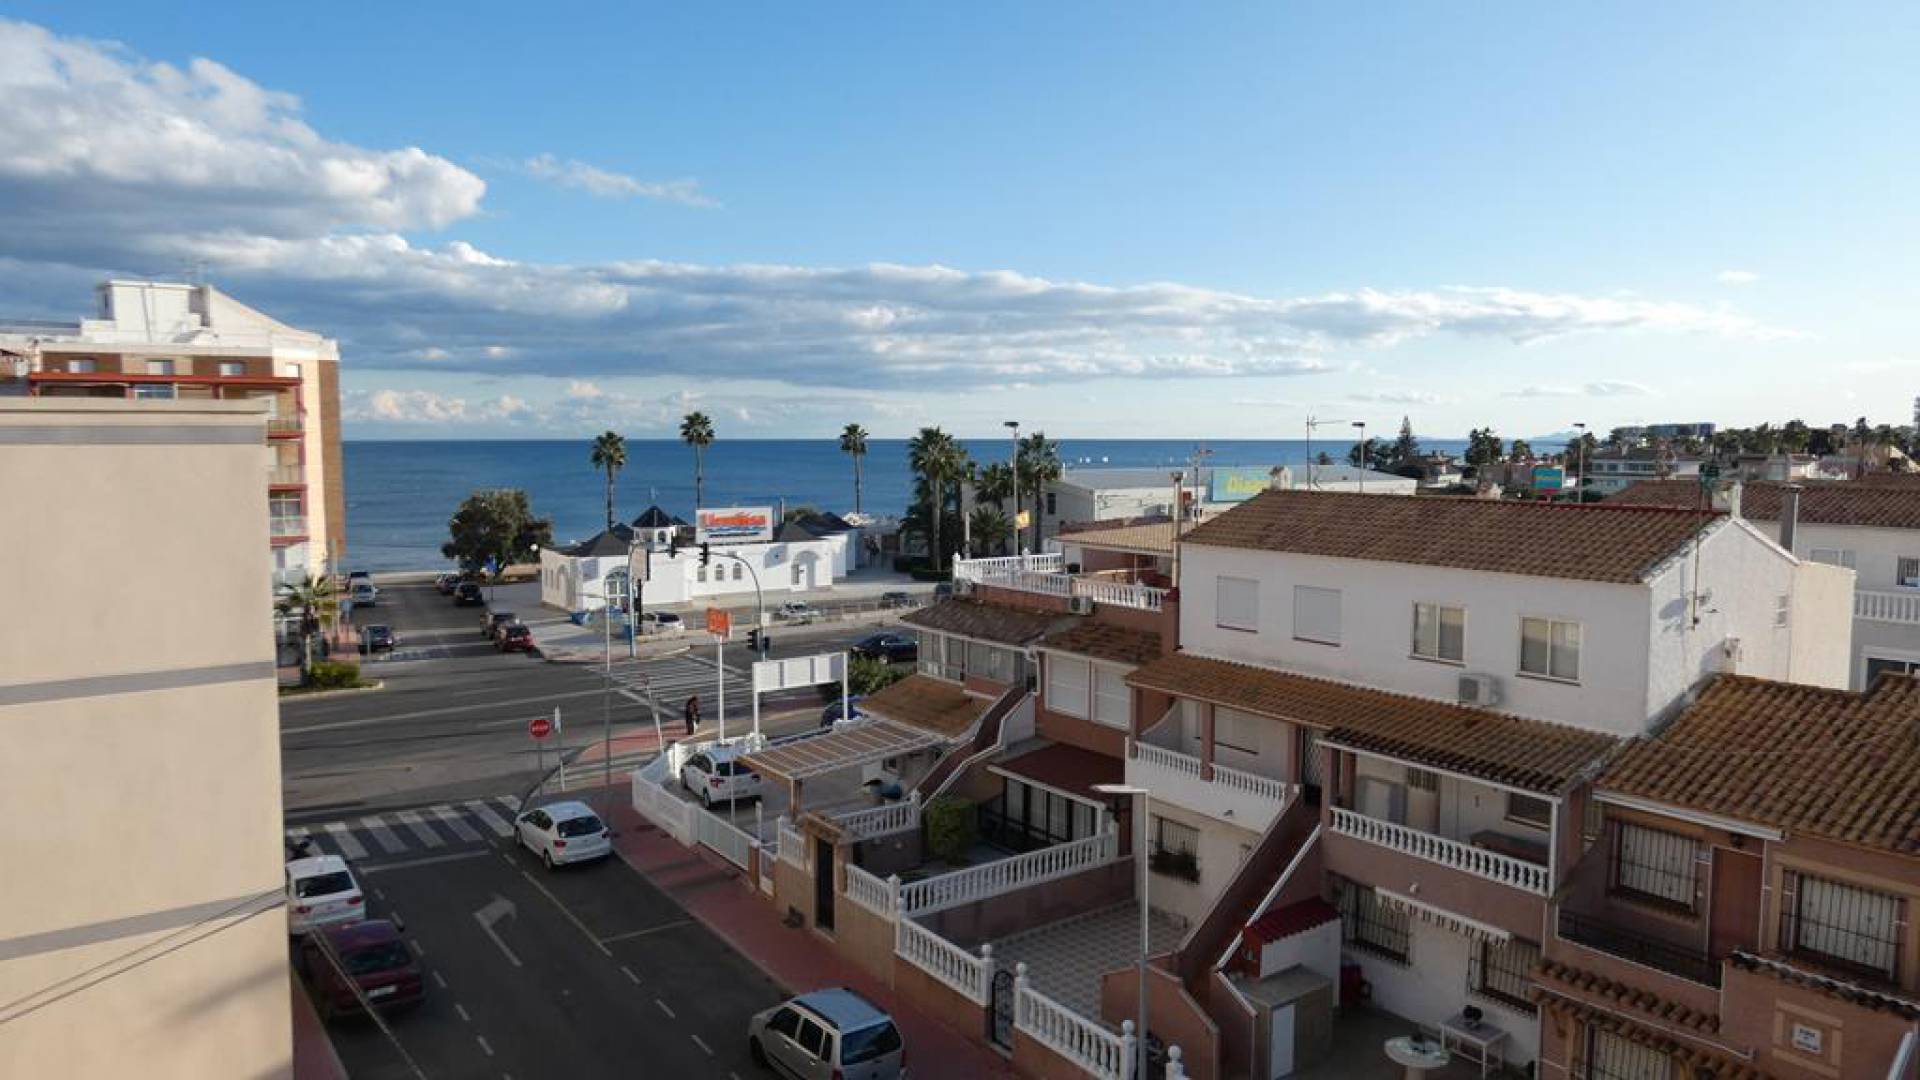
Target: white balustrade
1265, 787
1491, 865
880, 897
1119, 593
980, 569
1086, 1043
966, 974
793, 844
1184, 764
720, 835
1247, 799
1047, 576
891, 818
1893, 607
1005, 875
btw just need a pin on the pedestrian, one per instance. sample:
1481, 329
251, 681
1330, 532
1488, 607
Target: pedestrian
693, 713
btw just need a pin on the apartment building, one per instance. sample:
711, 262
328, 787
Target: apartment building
1870, 526
1613, 469
142, 932
1743, 905
151, 341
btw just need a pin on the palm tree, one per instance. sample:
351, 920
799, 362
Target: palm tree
940, 463
990, 527
1038, 464
853, 443
996, 483
310, 598
609, 454
696, 430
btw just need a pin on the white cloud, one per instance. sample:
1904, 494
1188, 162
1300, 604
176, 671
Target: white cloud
581, 176
1600, 388
1399, 397
1736, 277
583, 390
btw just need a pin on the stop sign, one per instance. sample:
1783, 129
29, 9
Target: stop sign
540, 727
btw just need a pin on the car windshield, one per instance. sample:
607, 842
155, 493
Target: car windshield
323, 884
517, 631
580, 826
869, 1043
386, 956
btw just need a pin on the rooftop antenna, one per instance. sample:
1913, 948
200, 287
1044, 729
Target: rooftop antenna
1314, 422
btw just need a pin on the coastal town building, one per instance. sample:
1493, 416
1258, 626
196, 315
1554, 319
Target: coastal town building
152, 341
1084, 495
143, 931
1612, 469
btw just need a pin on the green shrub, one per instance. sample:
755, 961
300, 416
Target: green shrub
870, 675
952, 828
333, 675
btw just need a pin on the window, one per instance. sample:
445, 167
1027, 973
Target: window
1651, 864
1051, 503
1840, 925
1876, 665
813, 1038
869, 1043
1909, 572
1616, 1057
1422, 780
739, 571
1369, 924
1236, 730
232, 368
1381, 800
83, 365
1550, 649
700, 573
1112, 699
1236, 603
785, 1022
1500, 970
1067, 686
1026, 817
1176, 850
1782, 610
799, 574
159, 367
1832, 556
1440, 632
1528, 810
1316, 614
155, 391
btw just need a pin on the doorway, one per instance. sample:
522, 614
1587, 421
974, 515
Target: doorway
1736, 902
822, 884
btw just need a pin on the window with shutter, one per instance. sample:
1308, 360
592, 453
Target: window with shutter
1112, 698
1067, 685
1236, 603
1316, 614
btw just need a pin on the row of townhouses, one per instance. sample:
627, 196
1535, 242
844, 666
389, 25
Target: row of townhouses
1568, 790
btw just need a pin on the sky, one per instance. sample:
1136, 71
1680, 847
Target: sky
1102, 220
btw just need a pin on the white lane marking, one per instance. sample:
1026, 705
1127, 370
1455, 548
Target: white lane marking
582, 927
424, 860
440, 980
383, 836
547, 700
482, 1040
496, 909
419, 828
348, 845
455, 822
419, 950
674, 925
462, 1010
664, 1009
493, 821
379, 894
702, 1044
635, 979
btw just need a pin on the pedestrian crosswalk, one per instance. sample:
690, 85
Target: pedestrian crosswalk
673, 679
398, 832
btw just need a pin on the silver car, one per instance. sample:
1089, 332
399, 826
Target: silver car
826, 1034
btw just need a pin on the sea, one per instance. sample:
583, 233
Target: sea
401, 493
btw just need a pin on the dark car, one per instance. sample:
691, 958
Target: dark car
943, 591
446, 583
514, 638
896, 599
368, 957
467, 594
378, 638
495, 621
893, 648
831, 715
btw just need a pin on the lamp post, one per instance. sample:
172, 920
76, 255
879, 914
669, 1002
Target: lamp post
1146, 941
1580, 469
1362, 425
1014, 464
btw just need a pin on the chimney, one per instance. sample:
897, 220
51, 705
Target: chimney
1789, 514
1726, 497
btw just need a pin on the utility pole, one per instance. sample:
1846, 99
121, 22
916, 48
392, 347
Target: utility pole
1313, 422
1014, 464
1580, 469
1364, 455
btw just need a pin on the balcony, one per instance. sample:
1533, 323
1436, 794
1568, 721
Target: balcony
1046, 575
286, 476
285, 427
1246, 799
1890, 607
1528, 877
1618, 941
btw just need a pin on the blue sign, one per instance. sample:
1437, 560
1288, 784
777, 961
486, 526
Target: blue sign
1236, 485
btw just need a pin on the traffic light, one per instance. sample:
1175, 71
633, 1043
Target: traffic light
706, 555
753, 639
673, 547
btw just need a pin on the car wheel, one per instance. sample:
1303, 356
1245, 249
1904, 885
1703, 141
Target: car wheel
706, 798
547, 858
758, 1053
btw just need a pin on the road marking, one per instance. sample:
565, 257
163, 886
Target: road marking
674, 925
702, 1044
597, 943
482, 1040
348, 845
440, 980
419, 950
420, 714
419, 828
665, 1009
493, 821
379, 894
457, 823
462, 1010
635, 979
429, 860
497, 908
383, 836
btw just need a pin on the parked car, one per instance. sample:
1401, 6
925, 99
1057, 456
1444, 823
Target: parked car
368, 959
661, 622
896, 599
828, 1033
365, 594
377, 638
357, 577
717, 775
563, 832
943, 591
446, 583
492, 622
468, 593
321, 891
514, 638
798, 611
891, 647
830, 715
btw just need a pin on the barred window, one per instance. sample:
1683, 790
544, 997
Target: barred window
1176, 850
1528, 810
1368, 923
1503, 971
1651, 864
1613, 1057
1841, 925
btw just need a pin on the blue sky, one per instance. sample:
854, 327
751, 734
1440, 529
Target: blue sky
1183, 220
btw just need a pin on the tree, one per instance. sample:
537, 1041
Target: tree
1406, 448
311, 598
610, 455
800, 513
1519, 450
870, 675
1484, 448
990, 526
1037, 464
853, 443
939, 463
495, 525
1323, 458
696, 430
994, 484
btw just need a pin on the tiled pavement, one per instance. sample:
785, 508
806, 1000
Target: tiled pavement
1066, 959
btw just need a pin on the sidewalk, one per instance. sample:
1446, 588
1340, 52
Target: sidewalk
710, 890
313, 1055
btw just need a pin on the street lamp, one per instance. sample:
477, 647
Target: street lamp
1140, 840
1362, 425
1014, 464
1580, 469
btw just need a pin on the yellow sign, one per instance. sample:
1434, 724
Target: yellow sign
1023, 521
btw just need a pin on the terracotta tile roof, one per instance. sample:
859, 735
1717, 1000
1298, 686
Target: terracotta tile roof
1887, 504
1832, 763
1150, 537
1105, 641
1837, 989
1559, 977
1525, 753
1065, 768
930, 704
1594, 542
969, 618
1296, 918
1721, 1065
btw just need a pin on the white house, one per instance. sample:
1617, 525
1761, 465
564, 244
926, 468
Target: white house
798, 560
1105, 494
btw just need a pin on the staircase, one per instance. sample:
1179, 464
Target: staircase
986, 740
1200, 952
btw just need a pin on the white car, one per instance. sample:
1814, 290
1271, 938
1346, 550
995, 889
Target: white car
365, 594
661, 622
563, 832
798, 611
717, 775
321, 891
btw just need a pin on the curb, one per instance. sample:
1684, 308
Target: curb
318, 695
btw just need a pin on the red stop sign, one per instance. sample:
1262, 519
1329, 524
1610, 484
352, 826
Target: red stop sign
540, 727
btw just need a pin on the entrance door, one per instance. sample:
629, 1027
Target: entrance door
1736, 902
1280, 1043
1000, 1020
1310, 764
822, 883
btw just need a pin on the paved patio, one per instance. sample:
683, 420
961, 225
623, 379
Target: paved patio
1359, 1036
1066, 959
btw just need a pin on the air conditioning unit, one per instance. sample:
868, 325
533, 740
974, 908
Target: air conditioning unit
1080, 605
963, 586
1478, 690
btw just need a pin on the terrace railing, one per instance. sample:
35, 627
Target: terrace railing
1084, 1042
964, 973
1005, 875
1491, 865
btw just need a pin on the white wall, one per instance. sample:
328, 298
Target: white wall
1432, 986
1220, 854
1272, 745
677, 580
1317, 950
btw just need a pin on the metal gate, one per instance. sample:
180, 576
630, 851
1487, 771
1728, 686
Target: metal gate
1001, 1018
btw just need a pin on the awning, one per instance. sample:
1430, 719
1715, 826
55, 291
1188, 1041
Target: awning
1442, 918
1066, 770
842, 748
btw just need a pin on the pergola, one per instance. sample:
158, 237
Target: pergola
846, 747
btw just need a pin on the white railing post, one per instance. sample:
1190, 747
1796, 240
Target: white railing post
1175, 1070
1504, 869
1128, 1056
